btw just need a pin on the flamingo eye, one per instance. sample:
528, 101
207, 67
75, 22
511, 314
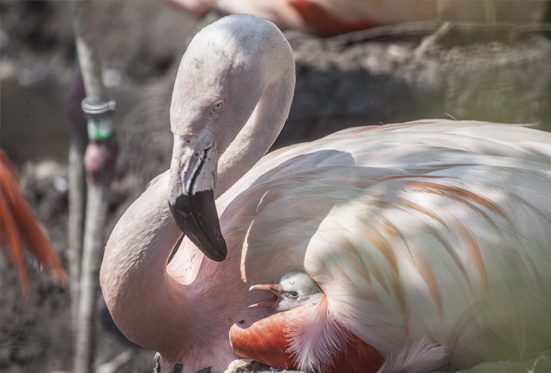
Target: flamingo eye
293, 294
218, 105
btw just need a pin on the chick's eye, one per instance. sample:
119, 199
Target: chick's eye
218, 105
293, 294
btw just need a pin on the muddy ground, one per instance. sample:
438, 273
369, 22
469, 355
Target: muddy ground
380, 76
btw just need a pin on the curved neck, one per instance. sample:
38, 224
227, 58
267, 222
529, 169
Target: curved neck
261, 130
151, 307
134, 282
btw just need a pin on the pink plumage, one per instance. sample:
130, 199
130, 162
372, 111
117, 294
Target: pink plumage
430, 240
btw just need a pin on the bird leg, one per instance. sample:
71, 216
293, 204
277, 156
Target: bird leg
265, 340
178, 367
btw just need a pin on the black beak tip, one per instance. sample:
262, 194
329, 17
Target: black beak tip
197, 217
216, 250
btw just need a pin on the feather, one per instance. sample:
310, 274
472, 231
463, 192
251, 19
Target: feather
19, 224
419, 357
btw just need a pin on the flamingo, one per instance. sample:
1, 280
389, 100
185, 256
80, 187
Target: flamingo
322, 17
332, 17
433, 230
17, 224
293, 290
281, 346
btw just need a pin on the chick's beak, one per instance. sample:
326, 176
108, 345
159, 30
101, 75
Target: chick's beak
274, 289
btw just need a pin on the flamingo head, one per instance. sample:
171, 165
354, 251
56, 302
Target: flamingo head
219, 83
293, 290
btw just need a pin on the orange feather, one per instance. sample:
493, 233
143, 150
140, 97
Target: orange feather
319, 20
267, 341
264, 340
18, 223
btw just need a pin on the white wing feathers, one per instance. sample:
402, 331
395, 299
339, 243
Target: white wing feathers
422, 356
437, 230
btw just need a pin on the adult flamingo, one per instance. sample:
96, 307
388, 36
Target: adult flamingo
18, 224
322, 17
432, 230
332, 17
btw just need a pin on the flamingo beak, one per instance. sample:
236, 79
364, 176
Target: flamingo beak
191, 200
274, 289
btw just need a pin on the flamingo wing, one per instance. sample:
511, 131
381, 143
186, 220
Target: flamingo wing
436, 230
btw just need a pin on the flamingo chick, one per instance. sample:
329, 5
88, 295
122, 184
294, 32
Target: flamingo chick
433, 230
294, 289
284, 339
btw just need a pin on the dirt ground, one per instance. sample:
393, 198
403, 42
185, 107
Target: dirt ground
388, 75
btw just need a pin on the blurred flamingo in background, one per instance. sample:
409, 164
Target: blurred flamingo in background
331, 17
18, 224
429, 240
